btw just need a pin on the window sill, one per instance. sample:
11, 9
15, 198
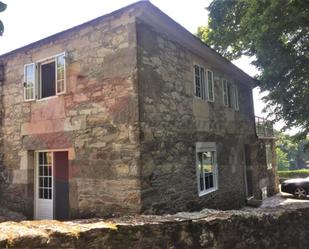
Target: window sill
47, 98
208, 191
29, 100
204, 100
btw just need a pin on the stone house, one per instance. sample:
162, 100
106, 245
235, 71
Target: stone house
128, 113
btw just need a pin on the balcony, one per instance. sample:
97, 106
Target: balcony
264, 128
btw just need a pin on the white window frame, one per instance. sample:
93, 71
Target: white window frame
206, 147
225, 93
38, 77
34, 81
64, 74
203, 84
268, 152
230, 100
212, 85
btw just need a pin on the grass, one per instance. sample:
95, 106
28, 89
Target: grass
294, 173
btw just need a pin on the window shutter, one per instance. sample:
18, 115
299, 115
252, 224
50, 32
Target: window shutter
224, 93
236, 100
210, 86
60, 74
29, 82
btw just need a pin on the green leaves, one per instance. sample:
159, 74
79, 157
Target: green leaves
276, 32
2, 8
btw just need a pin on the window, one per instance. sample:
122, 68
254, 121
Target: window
60, 74
206, 168
200, 88
47, 79
224, 90
50, 80
268, 156
29, 80
204, 84
210, 86
230, 95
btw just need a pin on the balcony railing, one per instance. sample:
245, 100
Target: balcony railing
264, 128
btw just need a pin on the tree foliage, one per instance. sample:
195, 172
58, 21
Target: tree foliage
291, 154
282, 160
2, 8
276, 34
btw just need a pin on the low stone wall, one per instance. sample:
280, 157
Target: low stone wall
286, 227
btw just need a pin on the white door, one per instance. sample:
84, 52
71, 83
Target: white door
44, 208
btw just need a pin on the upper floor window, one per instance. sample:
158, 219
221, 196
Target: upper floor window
45, 78
199, 77
210, 86
204, 83
29, 80
230, 95
206, 160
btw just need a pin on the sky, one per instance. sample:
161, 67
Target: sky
26, 21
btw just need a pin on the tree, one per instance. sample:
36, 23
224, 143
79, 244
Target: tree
2, 8
290, 154
276, 34
282, 159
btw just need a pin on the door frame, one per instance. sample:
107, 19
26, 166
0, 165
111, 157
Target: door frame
36, 183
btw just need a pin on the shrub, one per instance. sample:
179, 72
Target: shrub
294, 173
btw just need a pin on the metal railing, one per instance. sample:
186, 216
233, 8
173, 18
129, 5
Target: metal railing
264, 128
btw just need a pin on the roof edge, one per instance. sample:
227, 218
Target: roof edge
56, 35
253, 82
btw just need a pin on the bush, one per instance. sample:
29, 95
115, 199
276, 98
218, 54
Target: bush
294, 173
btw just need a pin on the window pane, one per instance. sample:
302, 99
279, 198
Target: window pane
206, 170
60, 73
60, 61
45, 182
211, 181
47, 157
49, 170
197, 81
29, 77
48, 79
41, 182
203, 85
45, 170
41, 193
41, 173
45, 193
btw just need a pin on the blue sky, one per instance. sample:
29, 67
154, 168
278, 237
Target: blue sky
27, 21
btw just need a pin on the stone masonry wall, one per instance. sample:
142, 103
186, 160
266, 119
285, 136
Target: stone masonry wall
173, 120
96, 120
262, 177
275, 229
